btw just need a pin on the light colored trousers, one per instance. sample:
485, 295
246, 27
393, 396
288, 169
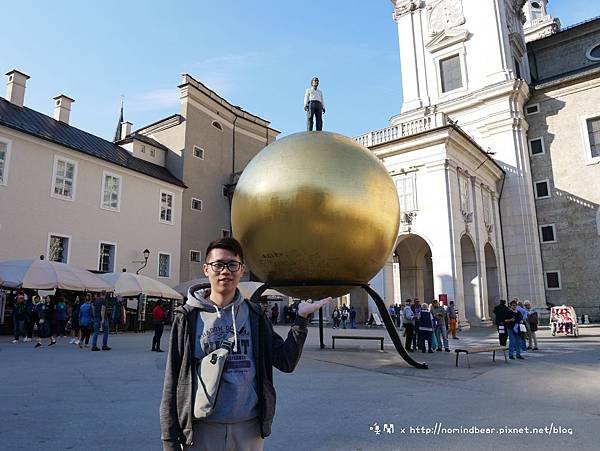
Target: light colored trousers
244, 436
532, 339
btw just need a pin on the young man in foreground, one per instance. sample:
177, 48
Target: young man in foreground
245, 405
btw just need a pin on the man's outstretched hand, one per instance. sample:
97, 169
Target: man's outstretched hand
305, 308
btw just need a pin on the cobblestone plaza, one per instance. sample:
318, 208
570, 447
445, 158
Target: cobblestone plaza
64, 398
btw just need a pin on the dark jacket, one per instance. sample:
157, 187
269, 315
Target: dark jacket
500, 314
269, 349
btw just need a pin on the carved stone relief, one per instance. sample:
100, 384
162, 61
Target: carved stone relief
444, 15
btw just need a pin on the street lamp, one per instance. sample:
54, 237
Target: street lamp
145, 262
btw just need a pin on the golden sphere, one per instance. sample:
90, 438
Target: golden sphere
315, 206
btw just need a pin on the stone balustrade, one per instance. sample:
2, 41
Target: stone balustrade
403, 129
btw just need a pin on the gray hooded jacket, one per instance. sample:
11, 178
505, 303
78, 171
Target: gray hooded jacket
268, 350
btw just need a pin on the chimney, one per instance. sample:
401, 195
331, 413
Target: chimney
62, 108
125, 129
15, 87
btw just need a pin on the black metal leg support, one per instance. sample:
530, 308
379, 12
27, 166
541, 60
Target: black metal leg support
321, 328
385, 315
389, 325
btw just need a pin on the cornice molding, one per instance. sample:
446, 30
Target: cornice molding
404, 7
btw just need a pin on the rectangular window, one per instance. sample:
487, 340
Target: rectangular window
196, 204
532, 109
164, 265
593, 129
106, 259
111, 191
407, 193
225, 233
166, 207
58, 248
450, 73
196, 256
548, 233
542, 189
64, 178
3, 162
552, 279
198, 152
536, 146
517, 68
152, 152
143, 149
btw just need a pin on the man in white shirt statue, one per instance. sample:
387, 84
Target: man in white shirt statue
314, 105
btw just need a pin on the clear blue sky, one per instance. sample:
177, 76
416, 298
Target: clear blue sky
258, 54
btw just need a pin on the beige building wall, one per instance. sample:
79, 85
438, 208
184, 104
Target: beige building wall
574, 181
220, 130
28, 212
565, 95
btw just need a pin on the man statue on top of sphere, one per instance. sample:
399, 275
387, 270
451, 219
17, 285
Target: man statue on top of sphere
314, 105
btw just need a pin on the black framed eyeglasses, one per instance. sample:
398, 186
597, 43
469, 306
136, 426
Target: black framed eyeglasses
232, 266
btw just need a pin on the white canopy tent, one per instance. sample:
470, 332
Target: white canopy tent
128, 285
48, 275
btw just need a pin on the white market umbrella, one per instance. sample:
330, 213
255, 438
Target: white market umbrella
246, 288
48, 275
128, 284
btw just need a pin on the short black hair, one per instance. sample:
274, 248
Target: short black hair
229, 244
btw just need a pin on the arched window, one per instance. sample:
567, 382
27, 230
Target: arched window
215, 124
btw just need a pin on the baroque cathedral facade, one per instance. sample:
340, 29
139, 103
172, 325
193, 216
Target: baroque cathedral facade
496, 157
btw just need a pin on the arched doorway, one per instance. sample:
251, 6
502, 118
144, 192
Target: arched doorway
491, 276
470, 279
415, 275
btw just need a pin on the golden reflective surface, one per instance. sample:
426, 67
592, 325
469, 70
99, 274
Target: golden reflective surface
315, 206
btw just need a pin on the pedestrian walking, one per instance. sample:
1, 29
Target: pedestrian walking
352, 314
336, 317
158, 317
60, 315
500, 313
43, 313
416, 308
29, 319
344, 316
409, 325
73, 321
532, 320
274, 314
50, 320
452, 320
219, 322
100, 318
19, 317
513, 321
441, 335
426, 327
85, 321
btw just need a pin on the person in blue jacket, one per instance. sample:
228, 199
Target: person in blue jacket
85, 321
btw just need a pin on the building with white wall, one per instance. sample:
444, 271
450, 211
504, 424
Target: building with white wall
474, 233
74, 197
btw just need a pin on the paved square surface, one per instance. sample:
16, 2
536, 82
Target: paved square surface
64, 398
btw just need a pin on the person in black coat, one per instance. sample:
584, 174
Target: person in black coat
500, 313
